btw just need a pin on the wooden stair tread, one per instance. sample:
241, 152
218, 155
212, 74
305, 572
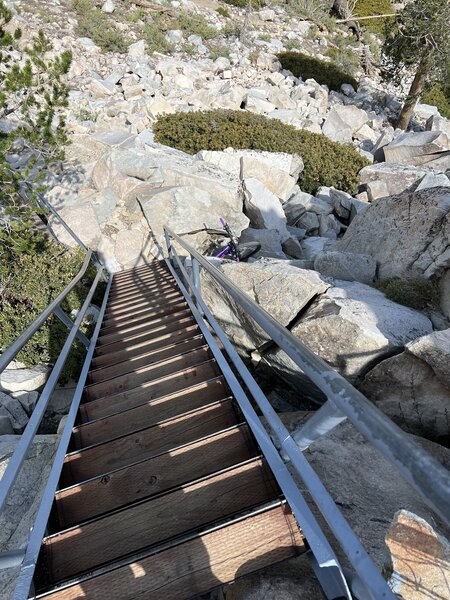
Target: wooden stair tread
146, 373
144, 316
145, 312
149, 413
173, 383
152, 476
152, 333
157, 290
135, 329
198, 565
150, 522
128, 308
145, 358
97, 460
174, 335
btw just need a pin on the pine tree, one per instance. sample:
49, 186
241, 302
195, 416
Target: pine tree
419, 41
32, 94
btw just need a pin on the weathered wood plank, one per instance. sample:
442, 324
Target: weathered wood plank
136, 378
129, 307
153, 291
173, 383
174, 335
141, 313
144, 359
145, 315
108, 538
153, 476
151, 334
97, 460
136, 329
148, 414
199, 565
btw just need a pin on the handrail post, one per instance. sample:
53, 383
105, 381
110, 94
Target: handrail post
196, 280
169, 246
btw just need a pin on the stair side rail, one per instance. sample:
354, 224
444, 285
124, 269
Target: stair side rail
29, 554
428, 477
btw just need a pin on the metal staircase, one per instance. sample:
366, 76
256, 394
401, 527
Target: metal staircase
165, 483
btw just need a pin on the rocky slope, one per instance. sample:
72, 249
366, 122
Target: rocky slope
320, 254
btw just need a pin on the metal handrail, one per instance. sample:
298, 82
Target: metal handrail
15, 463
418, 467
31, 552
11, 352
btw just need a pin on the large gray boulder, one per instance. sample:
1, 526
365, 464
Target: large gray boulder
82, 219
389, 180
367, 488
181, 169
408, 235
276, 170
264, 208
336, 129
346, 266
267, 238
187, 208
23, 380
406, 388
283, 290
351, 327
122, 169
425, 148
413, 388
434, 349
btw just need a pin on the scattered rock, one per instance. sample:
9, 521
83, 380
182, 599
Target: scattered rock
394, 179
352, 326
313, 246
23, 380
336, 129
417, 248
426, 148
278, 287
109, 7
346, 266
420, 558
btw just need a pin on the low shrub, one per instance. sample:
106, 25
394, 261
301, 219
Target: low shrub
415, 293
223, 12
367, 8
344, 59
308, 67
218, 50
231, 30
437, 96
326, 162
95, 24
193, 24
245, 3
155, 39
27, 287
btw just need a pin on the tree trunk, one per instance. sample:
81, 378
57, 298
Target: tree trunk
414, 93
